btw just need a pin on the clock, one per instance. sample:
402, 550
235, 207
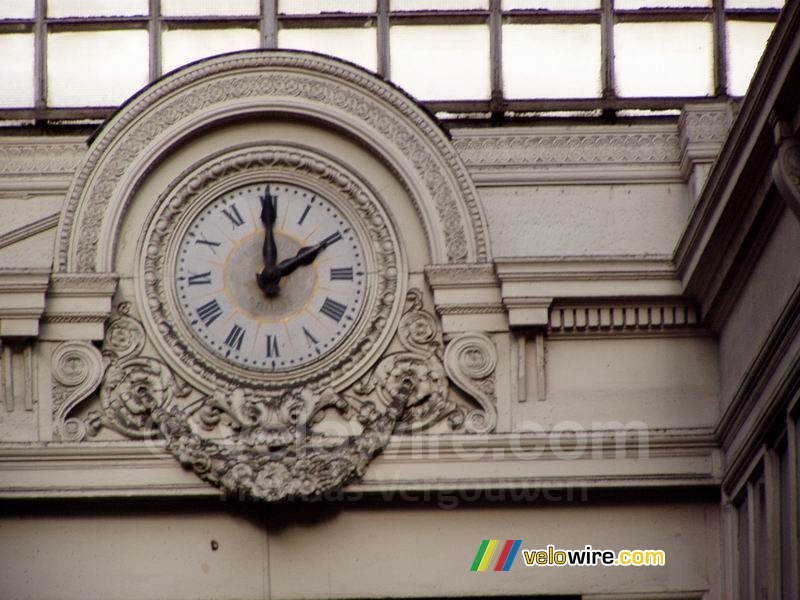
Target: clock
271, 276
269, 269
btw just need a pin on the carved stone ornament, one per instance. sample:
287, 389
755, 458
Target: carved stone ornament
786, 171
77, 369
280, 84
301, 443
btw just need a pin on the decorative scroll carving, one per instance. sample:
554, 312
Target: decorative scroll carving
470, 361
786, 171
77, 369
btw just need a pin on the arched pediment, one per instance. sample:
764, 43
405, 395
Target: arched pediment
278, 85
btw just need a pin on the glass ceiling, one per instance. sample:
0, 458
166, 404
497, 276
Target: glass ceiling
77, 59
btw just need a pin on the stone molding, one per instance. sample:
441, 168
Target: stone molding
293, 84
36, 157
22, 301
516, 156
643, 318
676, 457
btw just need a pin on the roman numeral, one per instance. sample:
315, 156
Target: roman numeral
331, 239
272, 346
233, 214
310, 339
342, 273
333, 309
268, 197
209, 312
210, 243
199, 278
235, 338
303, 216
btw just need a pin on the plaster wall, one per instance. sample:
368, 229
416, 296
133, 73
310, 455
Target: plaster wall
661, 382
585, 220
345, 550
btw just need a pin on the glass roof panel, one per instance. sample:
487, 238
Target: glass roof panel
186, 8
746, 42
317, 7
16, 64
16, 9
441, 61
664, 59
438, 4
182, 46
357, 45
572, 68
551, 4
636, 4
754, 3
95, 68
96, 8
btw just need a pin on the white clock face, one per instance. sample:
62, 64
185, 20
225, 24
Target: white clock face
270, 276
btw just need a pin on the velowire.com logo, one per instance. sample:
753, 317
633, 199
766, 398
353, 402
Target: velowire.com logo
504, 561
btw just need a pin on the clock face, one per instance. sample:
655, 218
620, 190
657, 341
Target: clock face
270, 276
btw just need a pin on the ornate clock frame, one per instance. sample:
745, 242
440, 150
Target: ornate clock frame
326, 124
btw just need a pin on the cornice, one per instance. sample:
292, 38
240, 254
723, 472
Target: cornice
676, 457
590, 276
601, 154
649, 318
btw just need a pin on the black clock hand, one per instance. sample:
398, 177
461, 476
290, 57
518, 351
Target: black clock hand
306, 255
268, 278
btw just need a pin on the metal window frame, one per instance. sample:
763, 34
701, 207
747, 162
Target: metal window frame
269, 21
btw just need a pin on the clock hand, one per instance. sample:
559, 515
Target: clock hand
269, 277
305, 255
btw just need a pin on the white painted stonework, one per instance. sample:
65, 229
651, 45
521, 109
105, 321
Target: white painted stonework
578, 335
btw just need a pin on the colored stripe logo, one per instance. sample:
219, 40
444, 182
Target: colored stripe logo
506, 558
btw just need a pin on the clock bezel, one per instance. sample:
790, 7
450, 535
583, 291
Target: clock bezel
187, 197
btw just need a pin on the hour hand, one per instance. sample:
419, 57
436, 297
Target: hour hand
306, 255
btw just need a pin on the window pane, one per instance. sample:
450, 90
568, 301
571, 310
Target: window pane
634, 4
184, 8
441, 61
551, 4
182, 46
438, 4
16, 9
663, 59
16, 64
754, 3
572, 68
315, 7
96, 8
746, 42
95, 68
357, 45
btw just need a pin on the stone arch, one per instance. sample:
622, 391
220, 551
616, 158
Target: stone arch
311, 87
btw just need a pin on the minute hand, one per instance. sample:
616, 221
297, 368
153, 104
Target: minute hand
305, 256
